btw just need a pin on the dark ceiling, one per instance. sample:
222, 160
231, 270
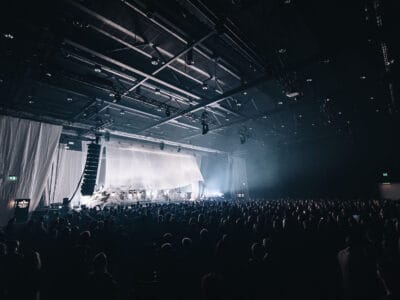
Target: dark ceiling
272, 72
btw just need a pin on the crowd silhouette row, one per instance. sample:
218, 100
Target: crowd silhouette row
259, 249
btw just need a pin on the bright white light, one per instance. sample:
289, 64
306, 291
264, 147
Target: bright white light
141, 168
292, 95
213, 193
85, 200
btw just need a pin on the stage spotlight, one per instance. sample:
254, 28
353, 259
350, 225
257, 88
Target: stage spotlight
205, 128
167, 112
155, 61
242, 139
107, 136
189, 58
205, 86
162, 145
117, 97
97, 68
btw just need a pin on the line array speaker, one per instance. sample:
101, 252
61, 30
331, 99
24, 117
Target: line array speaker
90, 172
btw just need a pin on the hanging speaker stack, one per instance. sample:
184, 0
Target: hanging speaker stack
90, 172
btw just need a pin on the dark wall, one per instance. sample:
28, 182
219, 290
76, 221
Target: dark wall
325, 168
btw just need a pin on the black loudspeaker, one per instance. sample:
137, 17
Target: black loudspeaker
22, 210
90, 172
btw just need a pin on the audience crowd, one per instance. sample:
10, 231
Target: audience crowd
211, 250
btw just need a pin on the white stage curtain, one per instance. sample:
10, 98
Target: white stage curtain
150, 170
65, 172
26, 151
237, 175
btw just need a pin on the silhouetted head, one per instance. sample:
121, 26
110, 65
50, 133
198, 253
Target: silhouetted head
186, 243
212, 287
167, 237
257, 251
100, 262
12, 246
84, 237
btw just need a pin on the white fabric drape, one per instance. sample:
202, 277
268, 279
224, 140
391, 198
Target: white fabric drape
142, 169
65, 173
26, 151
237, 175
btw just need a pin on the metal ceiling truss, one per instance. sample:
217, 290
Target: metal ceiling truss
91, 131
131, 69
168, 63
180, 38
147, 76
208, 103
173, 58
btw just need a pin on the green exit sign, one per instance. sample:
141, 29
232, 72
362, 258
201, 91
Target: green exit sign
385, 174
12, 178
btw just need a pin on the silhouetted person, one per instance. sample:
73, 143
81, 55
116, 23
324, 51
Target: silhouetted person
100, 284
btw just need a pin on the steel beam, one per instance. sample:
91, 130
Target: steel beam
180, 38
130, 68
168, 63
136, 37
138, 50
207, 103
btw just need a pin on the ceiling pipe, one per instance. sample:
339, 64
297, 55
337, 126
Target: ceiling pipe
139, 39
130, 68
210, 102
168, 63
180, 38
166, 142
136, 49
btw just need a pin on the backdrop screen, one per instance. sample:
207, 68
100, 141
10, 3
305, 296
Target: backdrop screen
145, 169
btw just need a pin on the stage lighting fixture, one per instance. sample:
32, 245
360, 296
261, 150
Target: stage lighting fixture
205, 128
205, 86
292, 94
179, 149
97, 69
162, 146
167, 112
122, 112
157, 91
117, 98
8, 36
242, 138
189, 57
155, 61
107, 136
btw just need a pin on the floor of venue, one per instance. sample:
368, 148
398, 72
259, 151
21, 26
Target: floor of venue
275, 249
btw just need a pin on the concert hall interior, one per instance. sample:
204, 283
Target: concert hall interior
199, 149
